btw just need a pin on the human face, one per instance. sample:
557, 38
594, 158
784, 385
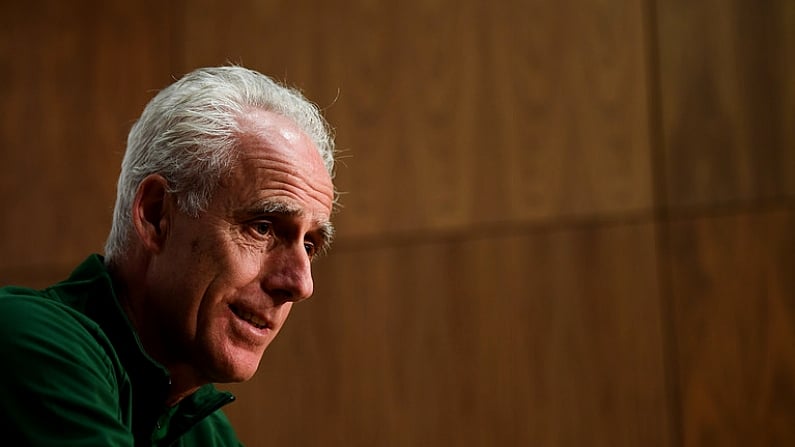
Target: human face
226, 280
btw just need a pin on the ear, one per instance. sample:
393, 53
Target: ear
151, 212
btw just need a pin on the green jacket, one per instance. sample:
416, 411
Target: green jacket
74, 373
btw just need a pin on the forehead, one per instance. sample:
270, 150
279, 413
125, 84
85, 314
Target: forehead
275, 135
277, 161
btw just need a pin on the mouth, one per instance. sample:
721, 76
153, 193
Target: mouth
248, 317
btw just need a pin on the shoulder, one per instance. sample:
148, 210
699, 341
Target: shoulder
40, 333
32, 313
58, 367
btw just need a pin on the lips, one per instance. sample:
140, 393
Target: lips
249, 317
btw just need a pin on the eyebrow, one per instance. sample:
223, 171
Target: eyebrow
277, 207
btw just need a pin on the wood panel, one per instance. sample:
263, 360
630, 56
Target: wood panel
455, 114
549, 338
443, 318
734, 300
74, 77
728, 100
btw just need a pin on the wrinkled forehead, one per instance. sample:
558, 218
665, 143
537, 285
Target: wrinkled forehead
281, 137
275, 154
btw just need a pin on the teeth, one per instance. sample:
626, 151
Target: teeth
251, 318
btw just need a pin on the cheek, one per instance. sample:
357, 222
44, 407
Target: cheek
246, 259
235, 270
223, 264
244, 264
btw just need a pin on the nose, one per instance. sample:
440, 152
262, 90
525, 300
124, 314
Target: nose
288, 274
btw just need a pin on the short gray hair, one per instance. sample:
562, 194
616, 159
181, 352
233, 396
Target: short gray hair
188, 133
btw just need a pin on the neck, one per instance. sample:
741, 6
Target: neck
179, 390
184, 380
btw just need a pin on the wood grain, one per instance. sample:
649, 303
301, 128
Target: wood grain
75, 75
733, 292
459, 115
728, 100
550, 338
496, 281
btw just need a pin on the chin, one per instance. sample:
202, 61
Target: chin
241, 376
235, 370
229, 360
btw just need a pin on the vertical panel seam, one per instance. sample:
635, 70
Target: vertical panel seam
669, 345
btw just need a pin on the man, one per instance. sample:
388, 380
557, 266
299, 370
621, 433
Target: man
224, 199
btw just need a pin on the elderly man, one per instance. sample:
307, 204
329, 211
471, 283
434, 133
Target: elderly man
224, 199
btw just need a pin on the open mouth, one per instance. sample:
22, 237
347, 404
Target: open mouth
249, 318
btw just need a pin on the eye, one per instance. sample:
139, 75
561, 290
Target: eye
311, 249
262, 227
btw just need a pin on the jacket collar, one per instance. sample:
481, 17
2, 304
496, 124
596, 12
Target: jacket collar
91, 288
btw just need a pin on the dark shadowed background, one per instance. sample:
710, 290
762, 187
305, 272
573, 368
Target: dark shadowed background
565, 223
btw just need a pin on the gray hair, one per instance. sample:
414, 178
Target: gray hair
188, 133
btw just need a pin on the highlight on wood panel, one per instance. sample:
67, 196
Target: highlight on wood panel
568, 109
549, 339
734, 317
460, 114
728, 100
528, 132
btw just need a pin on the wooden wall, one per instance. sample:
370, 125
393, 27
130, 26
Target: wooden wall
565, 223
